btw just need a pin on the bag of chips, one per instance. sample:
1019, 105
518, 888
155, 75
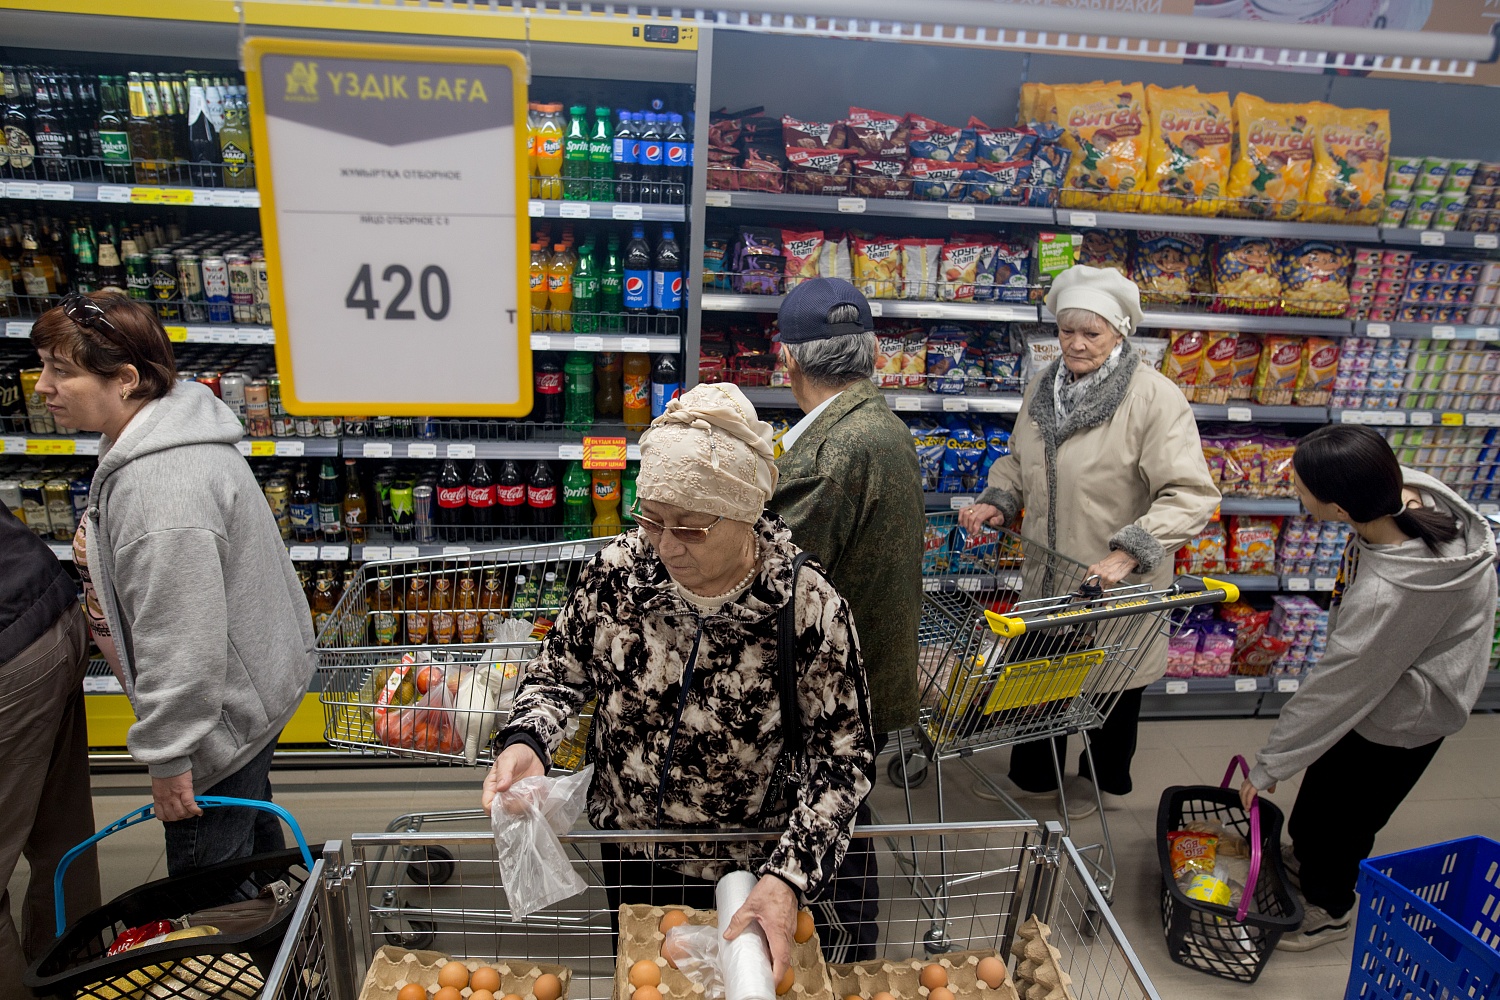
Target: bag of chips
1314, 277
914, 367
946, 350
716, 259
932, 140
1273, 157
819, 171
1184, 357
880, 179
1187, 158
812, 135
1216, 371
877, 266
1246, 275
1320, 365
1168, 266
1105, 130
890, 356
932, 445
920, 257
1106, 248
997, 184
937, 180
1192, 853
1276, 376
801, 249
1004, 145
876, 134
758, 266
997, 446
966, 448
1350, 150
956, 271
1011, 271
835, 260
1049, 166
1247, 350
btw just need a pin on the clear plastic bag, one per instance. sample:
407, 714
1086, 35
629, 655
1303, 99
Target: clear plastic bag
694, 950
527, 818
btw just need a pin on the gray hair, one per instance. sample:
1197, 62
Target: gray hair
835, 362
1086, 319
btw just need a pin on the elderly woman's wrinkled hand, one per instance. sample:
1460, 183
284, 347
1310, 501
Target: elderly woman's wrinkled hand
773, 905
976, 516
515, 762
1113, 568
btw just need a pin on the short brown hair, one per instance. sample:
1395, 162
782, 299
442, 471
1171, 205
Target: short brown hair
137, 338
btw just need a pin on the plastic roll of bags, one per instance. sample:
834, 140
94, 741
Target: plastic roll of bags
745, 961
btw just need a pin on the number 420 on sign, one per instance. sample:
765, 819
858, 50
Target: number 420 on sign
432, 291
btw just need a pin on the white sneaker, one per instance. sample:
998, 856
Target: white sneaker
1318, 928
983, 791
1081, 801
1112, 802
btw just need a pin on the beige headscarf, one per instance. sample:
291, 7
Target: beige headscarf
709, 453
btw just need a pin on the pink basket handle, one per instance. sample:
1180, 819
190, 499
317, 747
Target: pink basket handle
1238, 763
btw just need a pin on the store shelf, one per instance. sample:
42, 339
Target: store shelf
1414, 418
970, 311
441, 449
130, 194
893, 208
611, 342
1186, 319
62, 550
1426, 331
1438, 238
1214, 225
1247, 413
318, 447
1266, 506
477, 551
21, 328
1489, 697
1209, 685
620, 211
49, 445
1199, 697
905, 402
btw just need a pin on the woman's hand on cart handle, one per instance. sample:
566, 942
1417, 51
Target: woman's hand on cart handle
1113, 568
975, 516
1248, 793
772, 904
173, 797
515, 762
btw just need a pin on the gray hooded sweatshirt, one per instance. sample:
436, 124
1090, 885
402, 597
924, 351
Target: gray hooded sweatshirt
1408, 646
213, 629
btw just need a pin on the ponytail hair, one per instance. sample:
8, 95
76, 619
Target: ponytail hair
1354, 467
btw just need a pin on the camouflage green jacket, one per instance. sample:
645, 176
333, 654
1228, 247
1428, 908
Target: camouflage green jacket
851, 491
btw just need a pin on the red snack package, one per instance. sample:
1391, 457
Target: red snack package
818, 171
801, 249
813, 135
137, 936
875, 133
880, 179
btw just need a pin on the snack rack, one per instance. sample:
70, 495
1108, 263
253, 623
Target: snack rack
1010, 871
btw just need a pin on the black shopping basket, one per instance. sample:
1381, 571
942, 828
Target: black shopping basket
227, 965
1231, 943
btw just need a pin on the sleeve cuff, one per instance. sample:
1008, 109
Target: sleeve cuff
797, 890
1261, 778
507, 739
170, 768
1008, 503
1137, 543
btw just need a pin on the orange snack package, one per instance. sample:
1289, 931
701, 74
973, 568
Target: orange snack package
1188, 156
1192, 853
1273, 157
1216, 372
1276, 376
1105, 129
1246, 362
1350, 150
1320, 365
1184, 357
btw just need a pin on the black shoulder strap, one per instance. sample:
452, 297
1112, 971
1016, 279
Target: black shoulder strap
786, 659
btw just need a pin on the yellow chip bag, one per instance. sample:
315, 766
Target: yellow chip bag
1104, 127
1350, 150
1187, 158
877, 267
1273, 157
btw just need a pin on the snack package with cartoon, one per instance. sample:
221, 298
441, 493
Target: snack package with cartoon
1351, 147
1168, 266
1246, 275
1314, 277
1273, 157
1105, 130
1188, 156
1106, 248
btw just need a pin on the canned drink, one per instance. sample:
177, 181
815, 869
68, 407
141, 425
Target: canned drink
279, 496
356, 427
302, 426
330, 427
37, 414
404, 427
216, 289
190, 287
283, 424
241, 288
138, 276
381, 494
399, 508
78, 491
164, 285
261, 288
426, 428
382, 427
34, 507
426, 531
258, 408
232, 392
10, 496
211, 380
59, 509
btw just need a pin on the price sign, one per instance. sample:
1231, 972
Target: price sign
374, 552
541, 342
290, 449
176, 334
955, 404
1324, 583
570, 452
460, 451
626, 213
262, 449
55, 192
1486, 241
1433, 238
959, 503
855, 205
1298, 583
421, 451
303, 553
604, 453
573, 210
1239, 414
1381, 330
906, 404
113, 194
20, 328
1444, 333
395, 187
23, 189
588, 343
716, 199
333, 553
1453, 420
1244, 685
1421, 418
405, 552
1083, 220
145, 196
962, 213
1490, 333
456, 550
12, 445
1177, 687
634, 345
50, 446
876, 308
1289, 685
377, 449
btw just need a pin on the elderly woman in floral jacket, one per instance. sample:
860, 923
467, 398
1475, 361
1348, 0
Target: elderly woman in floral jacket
672, 628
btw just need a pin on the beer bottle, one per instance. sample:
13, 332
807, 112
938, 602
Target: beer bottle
37, 276
330, 504
8, 304
160, 133
141, 132
609, 370
203, 137
469, 627
356, 507
50, 134
114, 141
19, 149
418, 617
304, 509
179, 117
384, 625
85, 271
444, 621
234, 145
324, 600
491, 605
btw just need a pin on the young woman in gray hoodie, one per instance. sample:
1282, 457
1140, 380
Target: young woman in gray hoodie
1409, 634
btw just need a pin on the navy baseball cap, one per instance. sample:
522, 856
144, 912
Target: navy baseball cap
804, 312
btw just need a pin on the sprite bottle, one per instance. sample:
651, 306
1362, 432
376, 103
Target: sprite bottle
627, 493
585, 292
578, 514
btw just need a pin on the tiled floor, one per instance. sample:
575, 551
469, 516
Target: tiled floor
1459, 795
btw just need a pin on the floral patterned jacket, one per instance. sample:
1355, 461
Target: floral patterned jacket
687, 726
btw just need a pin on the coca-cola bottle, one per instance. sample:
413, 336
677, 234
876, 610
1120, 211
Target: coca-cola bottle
482, 502
541, 497
547, 403
452, 503
510, 500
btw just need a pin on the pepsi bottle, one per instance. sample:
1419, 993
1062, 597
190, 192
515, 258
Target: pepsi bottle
652, 157
666, 383
624, 154
675, 161
637, 279
666, 274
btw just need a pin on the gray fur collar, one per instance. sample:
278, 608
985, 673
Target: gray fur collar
1098, 407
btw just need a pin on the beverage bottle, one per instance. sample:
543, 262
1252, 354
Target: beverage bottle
491, 605
330, 504
481, 498
675, 160
652, 156
452, 503
444, 622
510, 500
356, 507
470, 628
203, 137
549, 151
533, 132
636, 400
384, 624
585, 292
578, 518
50, 134
575, 168
623, 154
666, 383
608, 370
611, 287
548, 398
578, 392
560, 288
627, 493
234, 145
606, 503
601, 158
666, 273
637, 280
524, 600
418, 618
554, 593
538, 288
324, 600
541, 498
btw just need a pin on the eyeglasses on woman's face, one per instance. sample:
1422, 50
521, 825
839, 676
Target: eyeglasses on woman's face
684, 534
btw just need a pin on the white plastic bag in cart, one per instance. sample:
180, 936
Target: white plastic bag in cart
527, 818
694, 951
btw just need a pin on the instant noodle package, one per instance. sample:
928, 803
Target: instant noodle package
1274, 144
1188, 156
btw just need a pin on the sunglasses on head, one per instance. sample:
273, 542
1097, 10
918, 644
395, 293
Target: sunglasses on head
86, 312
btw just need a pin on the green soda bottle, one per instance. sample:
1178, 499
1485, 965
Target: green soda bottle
578, 392
612, 287
576, 156
585, 292
627, 493
601, 158
578, 514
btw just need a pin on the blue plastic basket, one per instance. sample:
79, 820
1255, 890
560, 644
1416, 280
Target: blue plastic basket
1429, 924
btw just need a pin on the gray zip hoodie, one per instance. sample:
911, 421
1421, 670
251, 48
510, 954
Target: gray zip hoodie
1408, 646
213, 629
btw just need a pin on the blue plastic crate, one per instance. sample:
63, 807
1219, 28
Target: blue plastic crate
1429, 924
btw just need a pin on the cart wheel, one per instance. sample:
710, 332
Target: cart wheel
907, 776
415, 935
430, 866
935, 942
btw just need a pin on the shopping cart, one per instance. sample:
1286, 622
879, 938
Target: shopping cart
1004, 872
1019, 643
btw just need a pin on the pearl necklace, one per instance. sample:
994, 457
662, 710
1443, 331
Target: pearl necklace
738, 588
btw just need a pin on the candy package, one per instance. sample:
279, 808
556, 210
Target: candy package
1215, 650
1252, 545
1168, 266
1350, 150
801, 248
1187, 158
1273, 157
1105, 130
1203, 554
1246, 274
877, 266
1182, 653
1314, 277
1106, 248
919, 268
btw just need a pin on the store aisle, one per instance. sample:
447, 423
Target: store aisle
1459, 795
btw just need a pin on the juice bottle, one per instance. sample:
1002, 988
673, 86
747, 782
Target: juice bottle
533, 127
549, 150
560, 288
636, 405
538, 288
607, 503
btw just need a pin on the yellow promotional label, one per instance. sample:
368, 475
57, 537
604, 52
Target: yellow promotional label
41, 446
1453, 420
262, 449
1036, 682
175, 196
176, 334
604, 453
145, 196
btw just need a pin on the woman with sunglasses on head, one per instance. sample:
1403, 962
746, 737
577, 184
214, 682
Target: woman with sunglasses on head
673, 629
188, 587
1409, 634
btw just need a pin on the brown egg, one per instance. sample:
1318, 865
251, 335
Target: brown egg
934, 977
485, 978
643, 973
547, 987
804, 927
646, 993
454, 974
481, 995
448, 993
941, 993
854, 996
882, 995
512, 996
412, 991
670, 919
991, 972
787, 981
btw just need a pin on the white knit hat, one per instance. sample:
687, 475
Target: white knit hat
709, 453
1102, 291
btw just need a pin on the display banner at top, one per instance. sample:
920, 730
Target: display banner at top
393, 206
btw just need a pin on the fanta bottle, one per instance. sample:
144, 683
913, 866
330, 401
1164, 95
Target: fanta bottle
560, 268
637, 402
539, 292
607, 503
548, 147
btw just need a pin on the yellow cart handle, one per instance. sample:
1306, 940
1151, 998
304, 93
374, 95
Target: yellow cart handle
1006, 626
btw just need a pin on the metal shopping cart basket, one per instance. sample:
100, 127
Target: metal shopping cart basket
1003, 873
1018, 643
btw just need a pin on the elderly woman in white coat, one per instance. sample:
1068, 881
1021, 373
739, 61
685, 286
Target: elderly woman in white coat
1106, 462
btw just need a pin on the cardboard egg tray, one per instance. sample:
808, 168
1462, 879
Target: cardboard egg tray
392, 968
640, 937
901, 978
1039, 973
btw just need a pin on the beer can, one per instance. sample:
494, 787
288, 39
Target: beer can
138, 276
422, 513
164, 286
382, 427
216, 289
34, 507
279, 496
190, 287
59, 509
261, 288
356, 427
232, 392
330, 427
404, 427
381, 495
257, 408
78, 491
12, 404
282, 423
210, 379
426, 428
10, 496
37, 414
241, 288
